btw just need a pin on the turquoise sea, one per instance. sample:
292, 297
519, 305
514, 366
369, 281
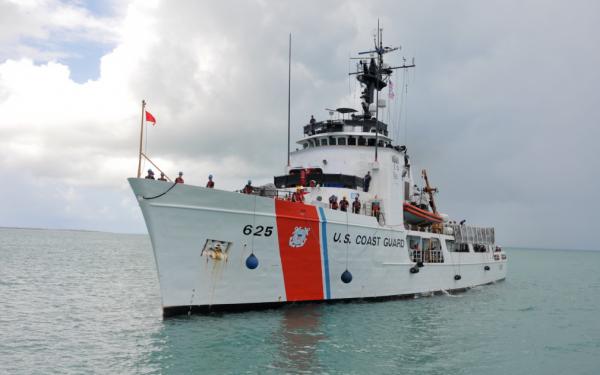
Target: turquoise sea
88, 303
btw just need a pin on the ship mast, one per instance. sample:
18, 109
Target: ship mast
378, 47
373, 75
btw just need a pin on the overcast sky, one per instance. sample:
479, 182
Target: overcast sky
503, 108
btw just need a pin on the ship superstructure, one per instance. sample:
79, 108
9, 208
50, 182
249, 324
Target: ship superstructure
290, 241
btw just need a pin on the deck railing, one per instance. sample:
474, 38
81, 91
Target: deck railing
426, 256
469, 234
272, 192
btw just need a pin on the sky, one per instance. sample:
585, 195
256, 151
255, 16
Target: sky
502, 108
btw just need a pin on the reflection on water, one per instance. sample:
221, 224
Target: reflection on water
314, 338
298, 337
275, 341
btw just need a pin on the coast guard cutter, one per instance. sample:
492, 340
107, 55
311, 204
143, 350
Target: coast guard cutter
283, 243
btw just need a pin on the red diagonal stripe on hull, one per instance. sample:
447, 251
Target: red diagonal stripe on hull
301, 266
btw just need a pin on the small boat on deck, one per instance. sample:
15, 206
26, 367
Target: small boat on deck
414, 215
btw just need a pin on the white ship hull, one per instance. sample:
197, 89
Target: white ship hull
185, 224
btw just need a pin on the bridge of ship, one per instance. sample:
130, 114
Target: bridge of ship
343, 132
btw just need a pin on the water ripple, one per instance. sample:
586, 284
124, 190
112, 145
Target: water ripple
85, 302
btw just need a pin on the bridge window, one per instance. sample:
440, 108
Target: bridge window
415, 251
361, 141
371, 141
478, 248
450, 245
351, 141
324, 142
332, 141
305, 145
342, 141
462, 248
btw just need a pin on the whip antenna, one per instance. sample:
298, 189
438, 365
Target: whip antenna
289, 97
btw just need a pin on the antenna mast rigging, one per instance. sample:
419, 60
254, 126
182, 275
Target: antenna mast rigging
374, 76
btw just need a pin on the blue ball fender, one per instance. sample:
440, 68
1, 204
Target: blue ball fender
346, 277
252, 261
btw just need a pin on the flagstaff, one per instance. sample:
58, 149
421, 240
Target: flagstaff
139, 171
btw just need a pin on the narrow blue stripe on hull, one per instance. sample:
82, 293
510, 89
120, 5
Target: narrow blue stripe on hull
325, 255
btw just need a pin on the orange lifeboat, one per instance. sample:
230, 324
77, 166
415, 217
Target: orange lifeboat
416, 216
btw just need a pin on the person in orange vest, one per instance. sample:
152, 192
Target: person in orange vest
375, 209
248, 189
179, 179
298, 195
356, 205
162, 177
150, 175
210, 184
344, 204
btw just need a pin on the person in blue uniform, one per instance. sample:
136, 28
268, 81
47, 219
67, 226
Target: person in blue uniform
367, 181
356, 205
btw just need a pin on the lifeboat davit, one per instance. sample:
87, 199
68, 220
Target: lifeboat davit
414, 215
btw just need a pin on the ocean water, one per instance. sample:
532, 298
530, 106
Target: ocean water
86, 302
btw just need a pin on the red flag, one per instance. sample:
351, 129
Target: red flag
150, 118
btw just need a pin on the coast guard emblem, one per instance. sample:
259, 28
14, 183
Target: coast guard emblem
299, 237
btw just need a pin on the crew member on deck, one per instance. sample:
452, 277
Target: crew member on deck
150, 175
248, 189
367, 181
179, 179
162, 177
333, 204
210, 184
298, 195
312, 123
375, 209
356, 205
344, 204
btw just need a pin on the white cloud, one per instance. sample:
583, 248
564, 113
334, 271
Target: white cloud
37, 29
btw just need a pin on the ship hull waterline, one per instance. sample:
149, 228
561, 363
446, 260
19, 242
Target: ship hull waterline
202, 240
